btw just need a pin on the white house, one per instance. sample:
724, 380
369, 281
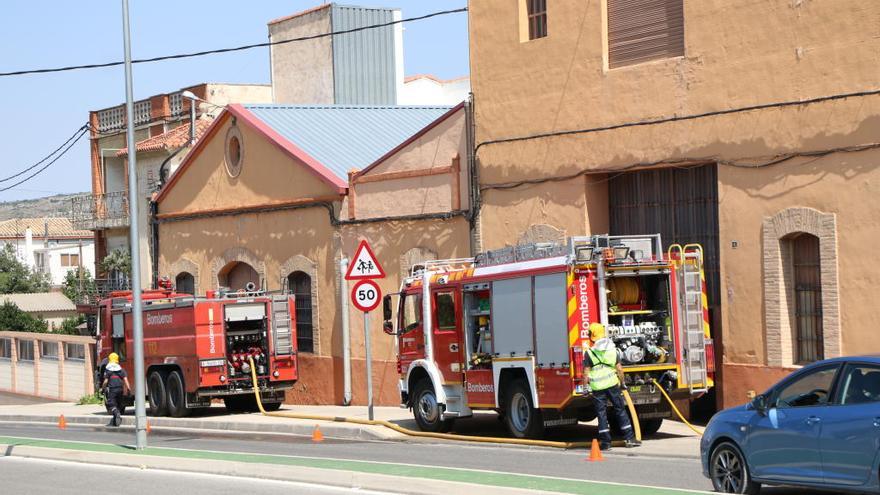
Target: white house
49, 245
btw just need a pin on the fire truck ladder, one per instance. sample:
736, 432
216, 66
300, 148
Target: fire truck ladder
282, 335
690, 278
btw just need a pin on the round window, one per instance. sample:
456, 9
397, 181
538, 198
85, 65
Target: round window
233, 151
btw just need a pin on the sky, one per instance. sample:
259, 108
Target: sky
48, 108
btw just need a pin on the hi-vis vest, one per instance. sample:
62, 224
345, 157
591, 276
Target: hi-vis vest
603, 371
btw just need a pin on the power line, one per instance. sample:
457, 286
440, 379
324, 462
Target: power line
681, 118
56, 150
82, 132
232, 49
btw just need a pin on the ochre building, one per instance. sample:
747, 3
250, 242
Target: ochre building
749, 127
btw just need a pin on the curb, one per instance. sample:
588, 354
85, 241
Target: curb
227, 428
281, 429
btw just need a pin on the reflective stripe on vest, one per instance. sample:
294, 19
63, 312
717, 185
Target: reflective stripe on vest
603, 373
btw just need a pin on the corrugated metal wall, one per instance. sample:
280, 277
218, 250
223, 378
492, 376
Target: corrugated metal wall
643, 30
680, 204
364, 61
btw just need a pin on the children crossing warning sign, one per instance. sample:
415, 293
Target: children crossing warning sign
364, 264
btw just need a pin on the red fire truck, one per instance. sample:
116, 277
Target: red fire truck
197, 349
507, 331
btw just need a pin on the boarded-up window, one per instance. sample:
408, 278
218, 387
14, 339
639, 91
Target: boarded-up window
644, 30
537, 11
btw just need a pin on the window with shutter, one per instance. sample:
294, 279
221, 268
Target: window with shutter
644, 30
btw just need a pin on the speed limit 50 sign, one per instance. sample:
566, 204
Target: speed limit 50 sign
366, 295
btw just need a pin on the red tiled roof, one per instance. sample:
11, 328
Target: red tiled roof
173, 139
58, 227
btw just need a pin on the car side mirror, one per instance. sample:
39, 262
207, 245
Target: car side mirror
759, 404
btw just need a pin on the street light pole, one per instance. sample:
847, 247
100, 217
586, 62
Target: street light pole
133, 200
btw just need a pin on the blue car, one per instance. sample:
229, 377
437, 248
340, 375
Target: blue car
819, 427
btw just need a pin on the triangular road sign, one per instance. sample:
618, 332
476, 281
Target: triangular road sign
364, 264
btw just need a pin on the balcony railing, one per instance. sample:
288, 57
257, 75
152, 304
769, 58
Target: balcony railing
100, 211
92, 291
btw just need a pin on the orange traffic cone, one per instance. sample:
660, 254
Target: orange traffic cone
317, 436
595, 452
62, 423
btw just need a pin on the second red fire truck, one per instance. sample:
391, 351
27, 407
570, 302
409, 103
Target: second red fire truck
507, 331
198, 349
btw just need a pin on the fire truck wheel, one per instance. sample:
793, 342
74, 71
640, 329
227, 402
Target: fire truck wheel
271, 406
156, 394
650, 426
234, 404
427, 411
523, 419
176, 395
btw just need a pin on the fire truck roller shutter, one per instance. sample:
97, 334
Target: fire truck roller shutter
551, 320
512, 317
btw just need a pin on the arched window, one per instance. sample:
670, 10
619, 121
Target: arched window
805, 287
237, 274
185, 283
300, 285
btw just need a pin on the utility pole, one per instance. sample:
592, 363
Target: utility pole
140, 413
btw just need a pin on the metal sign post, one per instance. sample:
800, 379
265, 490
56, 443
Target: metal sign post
369, 357
365, 295
140, 412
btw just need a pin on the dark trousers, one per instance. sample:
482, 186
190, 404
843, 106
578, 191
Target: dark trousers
601, 399
114, 399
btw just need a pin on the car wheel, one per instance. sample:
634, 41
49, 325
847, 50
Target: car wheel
523, 419
650, 426
729, 471
176, 394
156, 394
427, 411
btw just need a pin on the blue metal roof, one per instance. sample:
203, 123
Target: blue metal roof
345, 137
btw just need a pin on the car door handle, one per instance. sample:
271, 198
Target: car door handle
812, 420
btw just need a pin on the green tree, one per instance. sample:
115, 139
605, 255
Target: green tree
118, 261
16, 320
68, 326
16, 277
78, 287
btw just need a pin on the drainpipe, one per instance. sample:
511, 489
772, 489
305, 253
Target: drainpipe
346, 339
154, 246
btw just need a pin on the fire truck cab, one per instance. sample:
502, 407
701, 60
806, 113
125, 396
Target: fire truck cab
197, 348
507, 331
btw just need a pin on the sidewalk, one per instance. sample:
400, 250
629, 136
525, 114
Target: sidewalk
673, 440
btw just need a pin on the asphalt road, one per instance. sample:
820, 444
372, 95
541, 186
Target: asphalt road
39, 477
619, 467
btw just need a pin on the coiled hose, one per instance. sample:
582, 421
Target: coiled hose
443, 436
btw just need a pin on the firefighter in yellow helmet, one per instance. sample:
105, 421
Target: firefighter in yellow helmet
114, 385
603, 376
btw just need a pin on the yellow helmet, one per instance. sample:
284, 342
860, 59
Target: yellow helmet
597, 331
113, 358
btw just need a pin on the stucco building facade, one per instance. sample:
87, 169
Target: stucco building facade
288, 206
748, 127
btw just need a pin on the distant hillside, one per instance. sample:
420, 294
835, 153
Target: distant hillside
50, 206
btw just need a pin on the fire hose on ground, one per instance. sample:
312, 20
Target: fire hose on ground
443, 436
